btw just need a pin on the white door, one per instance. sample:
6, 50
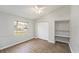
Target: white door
43, 30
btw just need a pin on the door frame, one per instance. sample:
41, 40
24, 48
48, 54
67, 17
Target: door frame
37, 29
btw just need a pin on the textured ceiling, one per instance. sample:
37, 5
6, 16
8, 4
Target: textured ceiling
27, 10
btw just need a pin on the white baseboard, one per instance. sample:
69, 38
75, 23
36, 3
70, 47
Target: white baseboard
51, 41
13, 44
70, 48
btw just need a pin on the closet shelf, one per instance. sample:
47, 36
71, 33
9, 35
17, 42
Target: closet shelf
62, 31
63, 36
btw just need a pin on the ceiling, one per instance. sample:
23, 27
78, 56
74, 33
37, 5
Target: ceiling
27, 10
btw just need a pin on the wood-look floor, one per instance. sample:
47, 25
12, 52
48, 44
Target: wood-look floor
38, 46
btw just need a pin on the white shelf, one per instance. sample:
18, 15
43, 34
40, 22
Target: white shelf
62, 30
62, 20
62, 39
62, 33
63, 36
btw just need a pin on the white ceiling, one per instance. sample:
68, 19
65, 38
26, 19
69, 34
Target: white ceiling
27, 10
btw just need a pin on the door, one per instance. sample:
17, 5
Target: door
43, 30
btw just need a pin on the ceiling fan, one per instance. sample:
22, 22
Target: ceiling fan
38, 9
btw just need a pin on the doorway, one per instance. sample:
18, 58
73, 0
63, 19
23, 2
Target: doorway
42, 30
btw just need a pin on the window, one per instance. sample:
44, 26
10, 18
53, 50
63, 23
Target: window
20, 27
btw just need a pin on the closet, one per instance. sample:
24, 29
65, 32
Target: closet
62, 33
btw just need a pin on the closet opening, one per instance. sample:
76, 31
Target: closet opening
62, 31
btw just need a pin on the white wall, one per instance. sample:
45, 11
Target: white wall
59, 14
74, 42
62, 13
7, 36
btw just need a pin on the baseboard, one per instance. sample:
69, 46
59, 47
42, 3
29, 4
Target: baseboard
70, 48
14, 44
51, 41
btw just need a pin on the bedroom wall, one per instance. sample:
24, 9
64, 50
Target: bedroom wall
74, 27
7, 36
62, 13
